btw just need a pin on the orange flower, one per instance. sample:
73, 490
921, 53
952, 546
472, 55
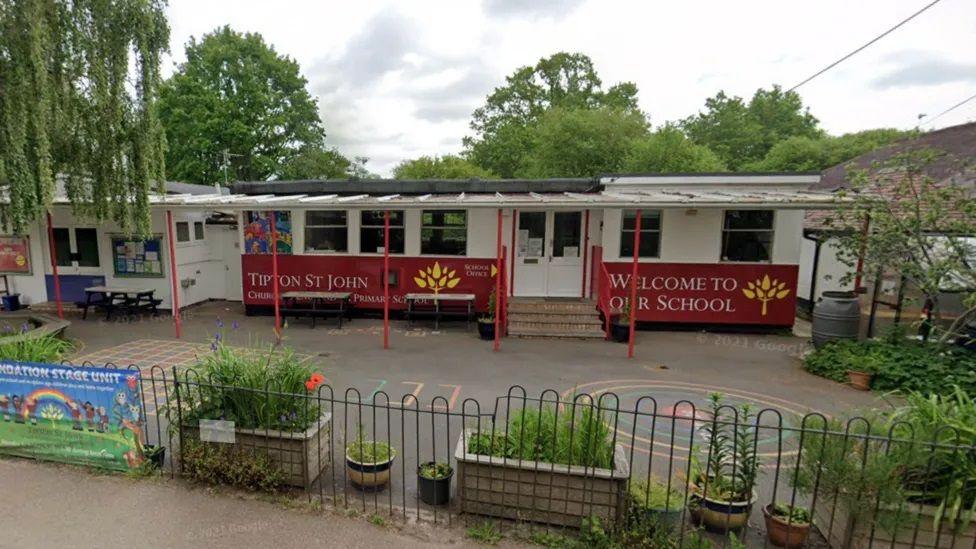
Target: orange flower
317, 378
310, 385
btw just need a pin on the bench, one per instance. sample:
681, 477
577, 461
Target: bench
438, 306
129, 301
315, 305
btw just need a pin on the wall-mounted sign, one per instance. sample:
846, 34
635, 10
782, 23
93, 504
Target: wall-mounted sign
138, 258
257, 232
708, 293
363, 277
15, 255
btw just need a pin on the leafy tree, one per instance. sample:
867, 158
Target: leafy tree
668, 150
741, 133
234, 93
443, 167
919, 228
582, 142
78, 89
817, 154
316, 163
503, 125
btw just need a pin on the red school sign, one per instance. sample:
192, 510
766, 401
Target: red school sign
363, 277
708, 293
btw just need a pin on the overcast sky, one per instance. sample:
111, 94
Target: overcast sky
396, 80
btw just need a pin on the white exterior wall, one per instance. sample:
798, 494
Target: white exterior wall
695, 236
196, 260
830, 272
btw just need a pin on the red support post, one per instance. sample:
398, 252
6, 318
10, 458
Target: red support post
633, 286
511, 262
54, 265
498, 282
274, 274
386, 279
174, 275
586, 249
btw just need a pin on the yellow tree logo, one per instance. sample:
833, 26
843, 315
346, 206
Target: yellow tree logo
435, 279
766, 290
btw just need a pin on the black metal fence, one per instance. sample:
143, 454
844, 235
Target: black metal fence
557, 460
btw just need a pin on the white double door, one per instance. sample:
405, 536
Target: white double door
548, 253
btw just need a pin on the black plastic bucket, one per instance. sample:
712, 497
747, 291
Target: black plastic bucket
435, 491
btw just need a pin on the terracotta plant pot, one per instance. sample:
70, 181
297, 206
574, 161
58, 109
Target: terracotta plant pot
720, 516
782, 533
860, 380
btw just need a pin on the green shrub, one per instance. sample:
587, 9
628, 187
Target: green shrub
369, 451
218, 464
655, 495
543, 436
48, 348
897, 364
255, 390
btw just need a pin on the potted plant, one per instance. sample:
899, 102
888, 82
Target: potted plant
787, 525
620, 327
486, 322
434, 479
861, 378
723, 483
368, 462
657, 503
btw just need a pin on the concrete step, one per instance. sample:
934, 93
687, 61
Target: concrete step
555, 318
548, 332
556, 307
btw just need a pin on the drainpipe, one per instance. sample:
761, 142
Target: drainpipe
816, 267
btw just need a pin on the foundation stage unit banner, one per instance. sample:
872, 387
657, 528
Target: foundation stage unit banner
708, 293
363, 277
85, 416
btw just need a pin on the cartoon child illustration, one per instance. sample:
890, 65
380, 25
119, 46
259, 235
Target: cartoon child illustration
90, 415
75, 415
128, 417
18, 409
31, 406
102, 419
4, 403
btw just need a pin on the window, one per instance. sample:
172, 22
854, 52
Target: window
86, 241
198, 230
85, 244
444, 232
182, 231
62, 247
371, 231
747, 235
650, 234
326, 231
258, 233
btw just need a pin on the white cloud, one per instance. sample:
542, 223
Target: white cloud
400, 79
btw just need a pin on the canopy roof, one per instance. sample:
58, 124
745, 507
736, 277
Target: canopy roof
661, 197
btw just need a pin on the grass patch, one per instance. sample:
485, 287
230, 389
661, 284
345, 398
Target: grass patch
47, 348
486, 532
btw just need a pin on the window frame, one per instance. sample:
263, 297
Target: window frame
442, 228
624, 233
189, 232
307, 226
725, 231
393, 227
203, 231
74, 253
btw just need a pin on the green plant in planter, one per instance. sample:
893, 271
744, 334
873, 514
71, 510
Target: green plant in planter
47, 348
489, 316
654, 495
370, 451
624, 316
790, 514
435, 470
727, 465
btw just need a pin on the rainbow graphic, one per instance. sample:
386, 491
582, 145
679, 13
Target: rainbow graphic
46, 393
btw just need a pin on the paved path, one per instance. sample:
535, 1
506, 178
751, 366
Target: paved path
45, 505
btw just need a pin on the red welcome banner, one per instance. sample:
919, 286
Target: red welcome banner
363, 277
14, 255
708, 293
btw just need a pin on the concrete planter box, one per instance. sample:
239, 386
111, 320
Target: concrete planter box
540, 492
300, 455
846, 532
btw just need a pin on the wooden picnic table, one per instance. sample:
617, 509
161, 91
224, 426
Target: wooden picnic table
454, 303
112, 298
321, 304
